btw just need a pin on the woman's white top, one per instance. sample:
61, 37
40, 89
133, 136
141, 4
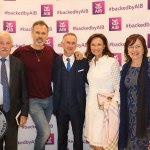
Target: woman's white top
103, 76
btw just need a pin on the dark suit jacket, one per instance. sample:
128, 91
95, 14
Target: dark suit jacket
81, 69
18, 92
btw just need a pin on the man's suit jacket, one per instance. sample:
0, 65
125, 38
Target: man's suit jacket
17, 85
81, 69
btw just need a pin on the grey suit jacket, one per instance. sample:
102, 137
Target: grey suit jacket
18, 91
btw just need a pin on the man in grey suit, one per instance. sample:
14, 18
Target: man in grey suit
17, 98
69, 77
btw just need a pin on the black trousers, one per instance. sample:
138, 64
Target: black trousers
76, 118
11, 136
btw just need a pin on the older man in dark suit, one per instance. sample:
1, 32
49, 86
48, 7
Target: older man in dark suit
15, 97
69, 78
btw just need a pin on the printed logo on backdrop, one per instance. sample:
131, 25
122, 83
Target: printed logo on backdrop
148, 40
46, 10
115, 24
118, 56
148, 3
49, 41
9, 26
98, 7
50, 141
62, 26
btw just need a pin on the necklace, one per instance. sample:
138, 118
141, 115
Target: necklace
38, 57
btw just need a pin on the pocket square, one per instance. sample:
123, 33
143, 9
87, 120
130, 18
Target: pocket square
80, 70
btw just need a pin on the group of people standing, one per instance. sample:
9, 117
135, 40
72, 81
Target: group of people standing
31, 70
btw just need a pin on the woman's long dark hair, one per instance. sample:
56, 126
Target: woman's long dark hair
106, 50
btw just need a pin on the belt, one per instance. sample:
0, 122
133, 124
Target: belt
1, 107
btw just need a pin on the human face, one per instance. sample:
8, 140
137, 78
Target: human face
69, 45
136, 50
97, 47
5, 45
39, 35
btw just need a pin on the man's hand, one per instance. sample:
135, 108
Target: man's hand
78, 55
23, 120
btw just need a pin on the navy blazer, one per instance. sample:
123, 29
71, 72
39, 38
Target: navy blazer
81, 69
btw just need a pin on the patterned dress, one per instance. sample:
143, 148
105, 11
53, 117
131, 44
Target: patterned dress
131, 83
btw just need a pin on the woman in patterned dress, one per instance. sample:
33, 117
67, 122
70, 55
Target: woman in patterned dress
135, 96
103, 76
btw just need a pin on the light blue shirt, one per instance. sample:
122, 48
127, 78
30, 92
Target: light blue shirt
7, 63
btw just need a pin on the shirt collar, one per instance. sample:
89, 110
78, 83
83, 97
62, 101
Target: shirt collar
7, 58
71, 57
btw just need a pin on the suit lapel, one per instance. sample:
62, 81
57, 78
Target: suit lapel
76, 68
59, 75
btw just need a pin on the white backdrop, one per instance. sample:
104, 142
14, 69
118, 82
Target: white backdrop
116, 19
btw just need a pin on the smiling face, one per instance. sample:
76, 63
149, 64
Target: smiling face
136, 50
97, 47
69, 44
5, 44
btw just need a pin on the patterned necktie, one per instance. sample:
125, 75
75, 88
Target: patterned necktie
4, 81
68, 64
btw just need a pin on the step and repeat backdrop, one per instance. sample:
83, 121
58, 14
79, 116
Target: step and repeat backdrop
116, 19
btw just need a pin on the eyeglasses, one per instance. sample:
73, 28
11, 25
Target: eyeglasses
135, 47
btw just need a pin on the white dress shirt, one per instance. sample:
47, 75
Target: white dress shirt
71, 60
